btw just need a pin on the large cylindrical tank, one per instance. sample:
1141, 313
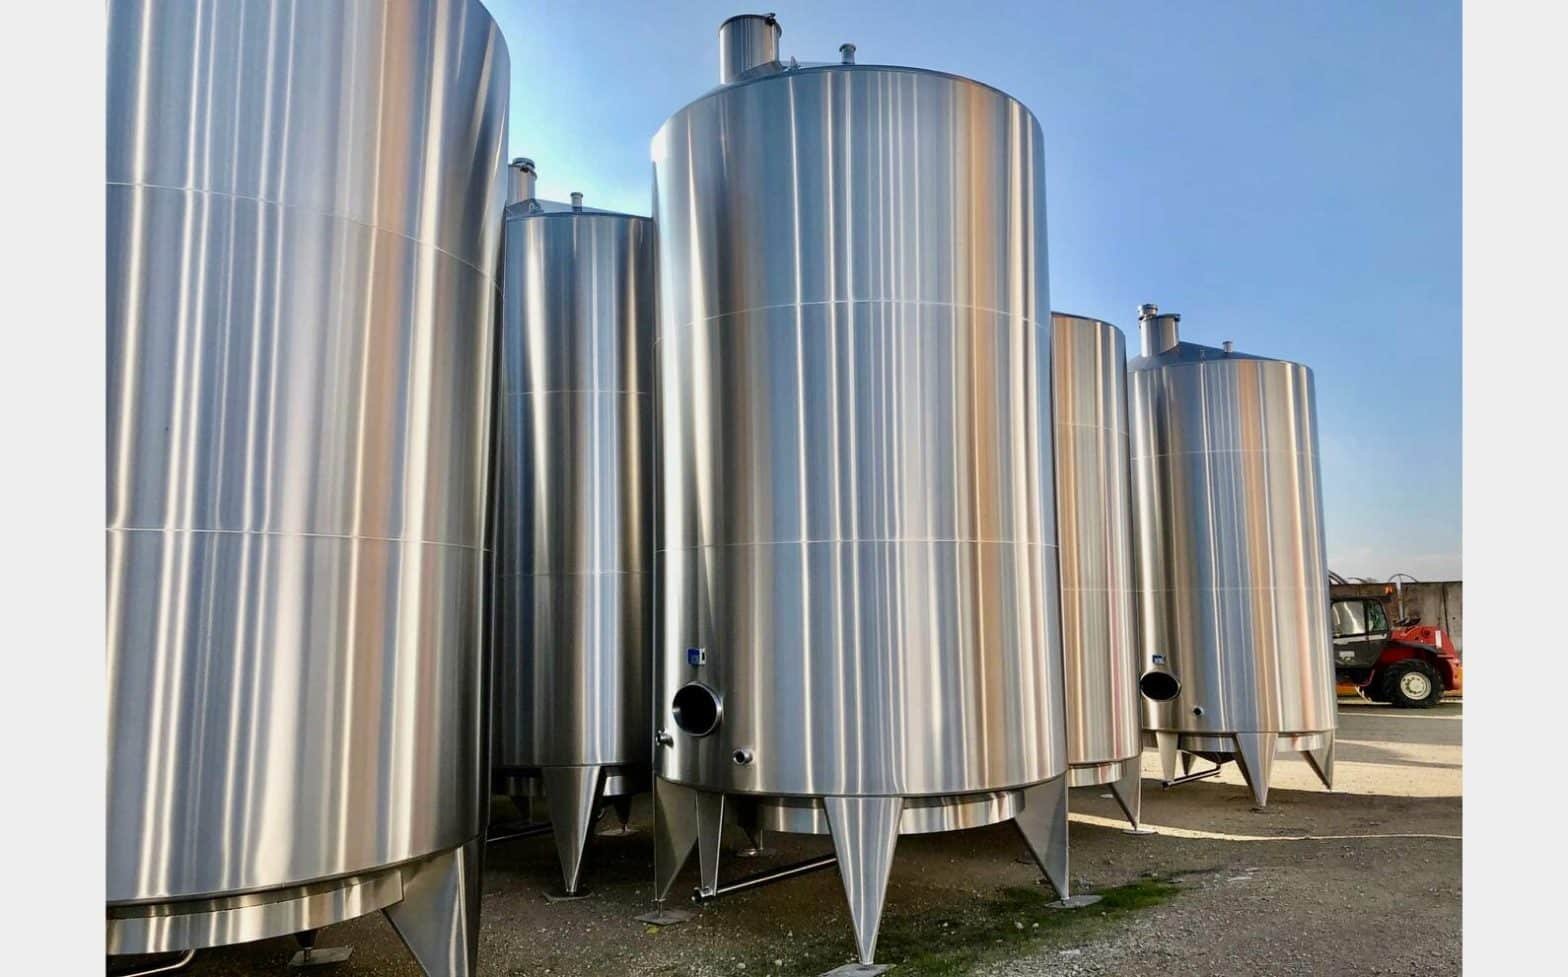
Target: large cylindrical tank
1094, 524
304, 205
858, 628
1233, 583
574, 512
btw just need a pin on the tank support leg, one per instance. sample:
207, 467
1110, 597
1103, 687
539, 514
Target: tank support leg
710, 834
572, 794
749, 816
1321, 760
524, 805
309, 955
1043, 823
1187, 760
623, 812
1128, 790
674, 833
1166, 743
865, 832
1255, 756
438, 918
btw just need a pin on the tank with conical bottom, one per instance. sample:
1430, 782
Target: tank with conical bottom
1094, 526
303, 206
1232, 579
857, 629
573, 571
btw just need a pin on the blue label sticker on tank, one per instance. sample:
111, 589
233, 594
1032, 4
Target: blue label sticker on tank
1159, 659
696, 656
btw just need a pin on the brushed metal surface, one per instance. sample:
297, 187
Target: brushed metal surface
1228, 520
920, 815
241, 919
303, 214
855, 482
573, 554
1094, 524
747, 41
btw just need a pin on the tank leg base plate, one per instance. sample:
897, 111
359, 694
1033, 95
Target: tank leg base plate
665, 917
1139, 830
320, 956
858, 970
568, 896
1073, 902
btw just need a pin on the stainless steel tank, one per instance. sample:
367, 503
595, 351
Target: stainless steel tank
858, 629
1094, 523
304, 205
1233, 584
574, 513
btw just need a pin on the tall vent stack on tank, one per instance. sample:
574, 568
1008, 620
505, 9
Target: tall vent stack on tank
574, 542
1094, 523
1233, 585
304, 205
858, 631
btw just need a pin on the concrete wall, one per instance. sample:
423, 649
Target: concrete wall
1439, 602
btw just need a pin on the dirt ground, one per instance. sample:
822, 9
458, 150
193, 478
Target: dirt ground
1310, 885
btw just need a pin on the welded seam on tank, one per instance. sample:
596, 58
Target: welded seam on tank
264, 897
1094, 427
295, 534
1282, 452
1180, 590
298, 209
574, 573
268, 895
1287, 738
579, 390
1028, 320
898, 539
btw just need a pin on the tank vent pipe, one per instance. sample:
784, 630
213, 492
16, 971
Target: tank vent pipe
846, 53
747, 41
1160, 332
520, 179
577, 201
1230, 346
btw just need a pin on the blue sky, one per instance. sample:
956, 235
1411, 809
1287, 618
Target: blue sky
1285, 174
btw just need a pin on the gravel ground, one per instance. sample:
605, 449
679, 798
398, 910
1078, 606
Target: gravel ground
1311, 885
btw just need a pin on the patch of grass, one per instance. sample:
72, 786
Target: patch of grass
1143, 894
948, 942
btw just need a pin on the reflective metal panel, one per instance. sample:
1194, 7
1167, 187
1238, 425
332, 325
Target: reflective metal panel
303, 213
858, 526
747, 41
1229, 523
1094, 521
574, 490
